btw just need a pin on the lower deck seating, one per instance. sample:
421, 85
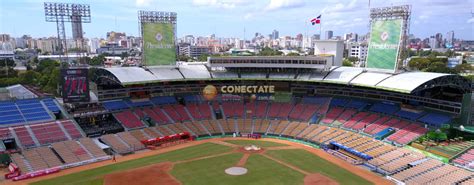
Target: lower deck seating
140, 135
116, 143
131, 141
90, 146
20, 161
65, 153
41, 158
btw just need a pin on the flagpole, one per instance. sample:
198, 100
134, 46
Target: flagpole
320, 28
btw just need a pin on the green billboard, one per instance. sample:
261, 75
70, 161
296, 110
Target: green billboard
159, 44
384, 43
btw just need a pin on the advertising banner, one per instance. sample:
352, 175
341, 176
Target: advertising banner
385, 37
159, 44
75, 85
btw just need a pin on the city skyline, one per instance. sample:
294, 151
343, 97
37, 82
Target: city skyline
226, 18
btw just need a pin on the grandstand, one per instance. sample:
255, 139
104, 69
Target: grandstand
361, 116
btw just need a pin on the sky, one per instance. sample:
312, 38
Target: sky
229, 18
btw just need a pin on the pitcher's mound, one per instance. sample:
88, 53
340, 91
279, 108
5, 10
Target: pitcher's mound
236, 171
316, 178
154, 174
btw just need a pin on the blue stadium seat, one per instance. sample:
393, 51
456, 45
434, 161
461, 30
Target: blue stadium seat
21, 111
339, 102
115, 105
435, 119
52, 106
191, 98
163, 100
357, 104
409, 115
384, 107
315, 100
138, 103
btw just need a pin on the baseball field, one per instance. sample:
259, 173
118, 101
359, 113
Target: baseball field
205, 162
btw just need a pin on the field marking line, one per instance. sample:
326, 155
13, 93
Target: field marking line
205, 157
286, 164
225, 144
243, 160
282, 147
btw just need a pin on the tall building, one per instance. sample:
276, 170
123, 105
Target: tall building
189, 39
94, 44
115, 36
299, 37
275, 34
433, 42
439, 39
351, 37
450, 39
4, 38
328, 35
316, 37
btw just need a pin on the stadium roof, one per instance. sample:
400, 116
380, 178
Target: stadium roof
405, 82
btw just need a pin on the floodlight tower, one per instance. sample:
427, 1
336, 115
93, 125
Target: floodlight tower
67, 12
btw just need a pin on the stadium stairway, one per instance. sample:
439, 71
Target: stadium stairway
32, 135
222, 111
205, 128
85, 149
189, 114
17, 140
66, 133
167, 115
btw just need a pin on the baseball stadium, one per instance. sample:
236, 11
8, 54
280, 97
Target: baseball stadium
243, 120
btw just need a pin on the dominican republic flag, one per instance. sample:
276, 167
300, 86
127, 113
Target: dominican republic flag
316, 20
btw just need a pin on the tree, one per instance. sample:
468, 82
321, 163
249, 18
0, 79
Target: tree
470, 77
203, 57
266, 51
463, 68
439, 67
353, 59
7, 62
7, 72
183, 58
293, 54
419, 63
46, 65
52, 81
346, 62
97, 60
29, 77
124, 55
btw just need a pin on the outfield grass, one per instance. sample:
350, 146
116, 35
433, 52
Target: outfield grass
94, 176
211, 171
255, 142
314, 164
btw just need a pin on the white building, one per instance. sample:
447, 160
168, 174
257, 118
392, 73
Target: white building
330, 47
357, 49
94, 44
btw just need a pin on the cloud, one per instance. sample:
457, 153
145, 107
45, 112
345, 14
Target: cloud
143, 3
423, 17
227, 4
470, 21
248, 16
284, 4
